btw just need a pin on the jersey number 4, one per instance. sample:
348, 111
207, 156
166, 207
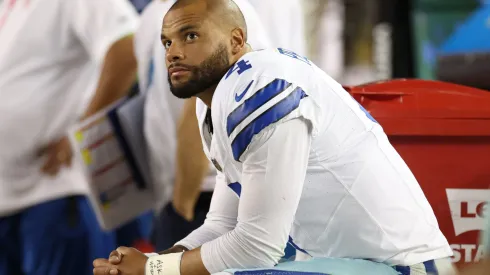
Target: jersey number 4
243, 65
239, 67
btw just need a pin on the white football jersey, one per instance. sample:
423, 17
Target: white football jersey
50, 55
338, 189
162, 109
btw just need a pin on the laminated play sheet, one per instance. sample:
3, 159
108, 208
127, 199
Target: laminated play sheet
112, 148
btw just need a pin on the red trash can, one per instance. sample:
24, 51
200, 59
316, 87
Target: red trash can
442, 131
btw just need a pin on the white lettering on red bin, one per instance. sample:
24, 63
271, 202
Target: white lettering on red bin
467, 209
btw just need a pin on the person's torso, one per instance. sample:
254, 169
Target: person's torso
48, 75
46, 78
284, 23
359, 198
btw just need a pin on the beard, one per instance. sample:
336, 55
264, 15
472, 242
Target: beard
204, 76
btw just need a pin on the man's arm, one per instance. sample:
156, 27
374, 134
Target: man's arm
192, 164
273, 177
117, 75
105, 29
221, 219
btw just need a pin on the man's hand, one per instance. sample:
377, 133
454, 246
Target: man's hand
58, 154
104, 267
123, 261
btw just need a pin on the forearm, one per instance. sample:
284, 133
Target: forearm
192, 164
192, 263
117, 75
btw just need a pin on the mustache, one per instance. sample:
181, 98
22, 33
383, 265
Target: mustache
180, 65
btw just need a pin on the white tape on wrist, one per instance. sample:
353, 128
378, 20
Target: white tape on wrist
167, 264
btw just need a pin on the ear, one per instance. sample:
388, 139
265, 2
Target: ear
238, 40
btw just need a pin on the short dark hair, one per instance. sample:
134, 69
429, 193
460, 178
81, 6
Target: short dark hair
227, 11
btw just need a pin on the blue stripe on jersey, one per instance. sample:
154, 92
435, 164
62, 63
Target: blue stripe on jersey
236, 187
272, 115
254, 102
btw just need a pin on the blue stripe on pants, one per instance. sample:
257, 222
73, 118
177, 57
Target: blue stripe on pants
429, 266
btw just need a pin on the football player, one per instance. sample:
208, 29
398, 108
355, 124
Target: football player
299, 161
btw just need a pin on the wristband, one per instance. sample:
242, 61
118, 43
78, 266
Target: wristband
167, 264
151, 254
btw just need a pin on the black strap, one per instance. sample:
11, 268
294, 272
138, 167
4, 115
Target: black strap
209, 121
72, 212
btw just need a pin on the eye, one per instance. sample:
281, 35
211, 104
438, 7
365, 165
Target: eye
191, 36
166, 44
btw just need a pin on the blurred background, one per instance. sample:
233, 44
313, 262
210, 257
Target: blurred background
360, 42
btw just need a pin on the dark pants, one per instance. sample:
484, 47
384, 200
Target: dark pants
46, 239
61, 237
170, 227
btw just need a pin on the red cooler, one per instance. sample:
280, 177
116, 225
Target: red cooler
442, 131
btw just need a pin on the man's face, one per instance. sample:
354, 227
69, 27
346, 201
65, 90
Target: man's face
197, 55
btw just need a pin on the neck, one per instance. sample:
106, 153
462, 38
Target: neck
207, 95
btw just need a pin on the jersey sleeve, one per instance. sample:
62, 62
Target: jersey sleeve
270, 191
269, 102
98, 24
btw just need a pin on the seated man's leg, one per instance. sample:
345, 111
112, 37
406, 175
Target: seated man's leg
326, 266
55, 239
170, 227
10, 250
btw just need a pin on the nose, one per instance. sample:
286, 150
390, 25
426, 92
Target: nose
174, 53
